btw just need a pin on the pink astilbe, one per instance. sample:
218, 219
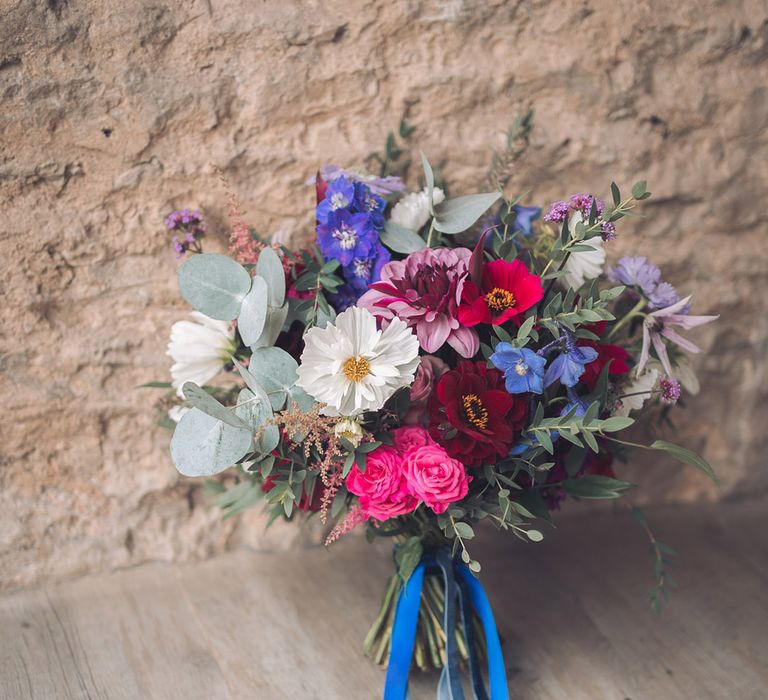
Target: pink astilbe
356, 516
242, 246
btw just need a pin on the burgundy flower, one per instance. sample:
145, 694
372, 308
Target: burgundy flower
424, 291
473, 416
615, 354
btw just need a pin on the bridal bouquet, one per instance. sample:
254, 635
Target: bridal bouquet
425, 364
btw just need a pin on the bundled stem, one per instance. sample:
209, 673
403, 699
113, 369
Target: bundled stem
429, 649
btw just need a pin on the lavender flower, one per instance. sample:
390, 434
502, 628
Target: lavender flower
660, 324
558, 212
189, 226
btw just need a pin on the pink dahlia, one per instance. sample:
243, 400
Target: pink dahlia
424, 291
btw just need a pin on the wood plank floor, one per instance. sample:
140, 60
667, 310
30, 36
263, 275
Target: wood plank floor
289, 625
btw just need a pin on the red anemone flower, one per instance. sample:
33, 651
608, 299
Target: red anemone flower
473, 417
615, 354
506, 290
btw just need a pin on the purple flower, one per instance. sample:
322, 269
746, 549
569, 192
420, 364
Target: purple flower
381, 186
568, 366
523, 369
346, 236
609, 231
583, 202
660, 324
636, 271
664, 295
670, 390
339, 196
558, 212
190, 225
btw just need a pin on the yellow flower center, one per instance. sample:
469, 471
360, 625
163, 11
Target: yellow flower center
474, 411
357, 369
499, 299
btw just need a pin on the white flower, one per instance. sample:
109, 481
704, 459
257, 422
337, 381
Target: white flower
637, 392
176, 413
352, 367
412, 211
200, 349
350, 430
585, 264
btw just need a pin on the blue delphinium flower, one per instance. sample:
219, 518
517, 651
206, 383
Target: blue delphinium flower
370, 203
362, 272
568, 366
524, 218
340, 195
346, 236
523, 369
344, 297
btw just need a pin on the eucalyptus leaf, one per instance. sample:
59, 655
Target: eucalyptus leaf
401, 239
459, 214
429, 179
204, 402
270, 268
253, 312
275, 371
272, 327
203, 445
256, 410
214, 284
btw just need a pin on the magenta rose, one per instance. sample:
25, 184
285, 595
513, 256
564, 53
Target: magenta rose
409, 437
434, 477
428, 372
382, 488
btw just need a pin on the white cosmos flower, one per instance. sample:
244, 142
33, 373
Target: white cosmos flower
586, 264
412, 211
176, 413
199, 349
352, 367
637, 392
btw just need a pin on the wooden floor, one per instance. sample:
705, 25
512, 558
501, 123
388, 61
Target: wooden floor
289, 625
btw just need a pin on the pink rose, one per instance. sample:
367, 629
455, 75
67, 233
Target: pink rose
382, 488
428, 372
434, 477
410, 437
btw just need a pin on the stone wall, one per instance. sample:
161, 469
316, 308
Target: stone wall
114, 113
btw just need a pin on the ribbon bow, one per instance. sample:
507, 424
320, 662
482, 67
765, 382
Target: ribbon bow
459, 583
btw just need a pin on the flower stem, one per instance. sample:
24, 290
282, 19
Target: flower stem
635, 311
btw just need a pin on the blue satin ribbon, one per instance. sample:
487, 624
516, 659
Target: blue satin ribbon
459, 583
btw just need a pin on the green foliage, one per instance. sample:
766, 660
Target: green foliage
203, 445
461, 213
401, 239
407, 557
214, 285
253, 312
686, 456
658, 594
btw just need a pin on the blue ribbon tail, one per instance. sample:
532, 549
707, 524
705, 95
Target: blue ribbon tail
403, 636
497, 674
459, 582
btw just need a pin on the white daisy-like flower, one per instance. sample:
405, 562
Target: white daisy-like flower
637, 392
349, 429
176, 413
352, 367
412, 211
199, 349
583, 265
